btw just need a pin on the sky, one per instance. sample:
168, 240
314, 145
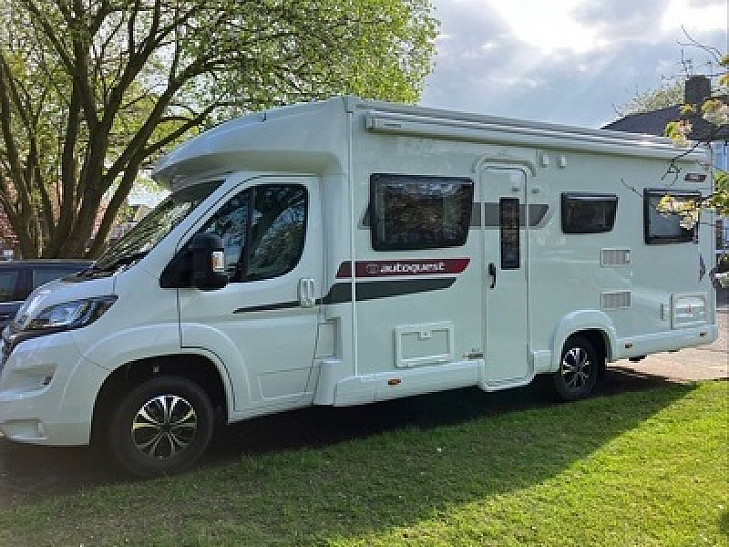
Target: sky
567, 61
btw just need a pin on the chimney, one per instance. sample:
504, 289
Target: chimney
696, 89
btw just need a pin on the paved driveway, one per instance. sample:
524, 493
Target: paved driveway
700, 363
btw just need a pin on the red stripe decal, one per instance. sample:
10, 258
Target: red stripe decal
385, 268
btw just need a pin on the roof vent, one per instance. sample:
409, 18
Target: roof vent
697, 89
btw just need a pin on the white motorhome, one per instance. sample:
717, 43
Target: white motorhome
347, 251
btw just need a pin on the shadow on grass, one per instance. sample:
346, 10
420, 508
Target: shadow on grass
724, 523
321, 426
317, 476
28, 473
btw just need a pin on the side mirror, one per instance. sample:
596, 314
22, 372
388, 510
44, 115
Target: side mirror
208, 262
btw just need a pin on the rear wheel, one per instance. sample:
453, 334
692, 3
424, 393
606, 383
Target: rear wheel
578, 369
161, 427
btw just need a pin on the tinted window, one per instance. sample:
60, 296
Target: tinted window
584, 213
41, 276
662, 227
263, 231
509, 221
230, 222
419, 212
8, 284
277, 231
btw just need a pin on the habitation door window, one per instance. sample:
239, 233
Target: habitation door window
419, 212
661, 226
509, 223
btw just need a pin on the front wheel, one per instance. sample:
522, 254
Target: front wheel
578, 369
161, 427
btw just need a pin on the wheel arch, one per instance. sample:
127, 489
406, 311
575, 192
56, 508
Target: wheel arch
593, 325
194, 367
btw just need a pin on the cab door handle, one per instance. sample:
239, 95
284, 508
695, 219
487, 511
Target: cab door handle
307, 290
492, 273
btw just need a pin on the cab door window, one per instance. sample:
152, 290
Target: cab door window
263, 231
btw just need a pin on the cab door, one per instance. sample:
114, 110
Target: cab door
505, 290
263, 324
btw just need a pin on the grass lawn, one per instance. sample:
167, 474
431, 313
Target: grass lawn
637, 468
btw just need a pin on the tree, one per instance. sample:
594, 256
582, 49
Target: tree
91, 90
669, 94
712, 112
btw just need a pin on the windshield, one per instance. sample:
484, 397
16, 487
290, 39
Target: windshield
155, 226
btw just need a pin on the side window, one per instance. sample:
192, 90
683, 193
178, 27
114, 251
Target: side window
230, 223
586, 213
42, 276
278, 231
263, 230
661, 227
8, 285
419, 212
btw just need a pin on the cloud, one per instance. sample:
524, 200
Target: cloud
696, 16
598, 56
620, 20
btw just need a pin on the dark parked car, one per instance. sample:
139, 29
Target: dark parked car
18, 278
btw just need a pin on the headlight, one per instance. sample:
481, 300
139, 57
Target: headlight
69, 315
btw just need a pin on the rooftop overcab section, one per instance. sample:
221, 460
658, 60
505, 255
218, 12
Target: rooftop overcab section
307, 137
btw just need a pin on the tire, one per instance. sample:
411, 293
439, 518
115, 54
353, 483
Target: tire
578, 369
161, 427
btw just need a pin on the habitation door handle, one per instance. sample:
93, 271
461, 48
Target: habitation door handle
492, 273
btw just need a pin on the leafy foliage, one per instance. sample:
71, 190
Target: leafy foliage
715, 111
647, 101
90, 91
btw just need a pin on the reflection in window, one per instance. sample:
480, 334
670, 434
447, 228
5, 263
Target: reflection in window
263, 231
230, 224
41, 277
278, 231
8, 284
419, 212
587, 213
509, 222
662, 227
157, 224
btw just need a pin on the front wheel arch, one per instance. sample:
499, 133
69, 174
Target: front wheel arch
196, 368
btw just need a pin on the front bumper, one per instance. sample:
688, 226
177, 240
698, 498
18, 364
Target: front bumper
47, 392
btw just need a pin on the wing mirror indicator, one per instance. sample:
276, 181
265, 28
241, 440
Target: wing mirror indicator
208, 262
217, 259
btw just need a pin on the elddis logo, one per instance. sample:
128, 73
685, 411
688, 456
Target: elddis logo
395, 268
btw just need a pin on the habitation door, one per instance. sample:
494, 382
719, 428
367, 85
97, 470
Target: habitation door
505, 302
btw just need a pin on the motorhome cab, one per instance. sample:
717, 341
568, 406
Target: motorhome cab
345, 252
